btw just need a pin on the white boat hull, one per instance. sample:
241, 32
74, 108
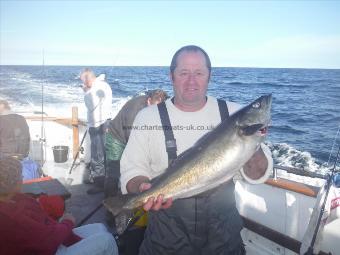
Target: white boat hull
284, 211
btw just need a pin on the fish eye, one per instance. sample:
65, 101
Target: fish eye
256, 105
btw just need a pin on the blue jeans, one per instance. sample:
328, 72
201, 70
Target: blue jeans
96, 241
97, 136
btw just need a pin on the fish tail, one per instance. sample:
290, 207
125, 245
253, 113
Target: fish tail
123, 221
123, 217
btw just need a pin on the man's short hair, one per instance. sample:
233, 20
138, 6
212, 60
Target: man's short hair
189, 48
10, 174
5, 104
88, 72
157, 94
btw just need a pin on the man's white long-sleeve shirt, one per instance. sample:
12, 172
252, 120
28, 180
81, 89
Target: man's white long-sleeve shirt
98, 101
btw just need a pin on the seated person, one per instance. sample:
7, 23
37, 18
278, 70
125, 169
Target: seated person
14, 133
15, 140
27, 229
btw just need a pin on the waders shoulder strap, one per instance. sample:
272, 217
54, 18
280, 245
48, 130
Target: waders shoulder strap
170, 141
222, 106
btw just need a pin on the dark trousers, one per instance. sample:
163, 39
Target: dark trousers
203, 225
112, 178
97, 135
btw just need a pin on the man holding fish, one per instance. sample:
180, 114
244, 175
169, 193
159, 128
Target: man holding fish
190, 197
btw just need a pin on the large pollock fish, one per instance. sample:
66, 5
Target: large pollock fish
214, 159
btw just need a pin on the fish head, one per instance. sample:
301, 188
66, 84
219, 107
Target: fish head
253, 119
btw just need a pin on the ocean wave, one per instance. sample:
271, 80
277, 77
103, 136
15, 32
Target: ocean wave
286, 155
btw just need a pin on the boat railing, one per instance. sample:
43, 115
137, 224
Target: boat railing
73, 122
288, 183
297, 171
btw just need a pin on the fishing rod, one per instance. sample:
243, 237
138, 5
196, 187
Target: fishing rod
334, 142
42, 135
327, 188
79, 150
89, 215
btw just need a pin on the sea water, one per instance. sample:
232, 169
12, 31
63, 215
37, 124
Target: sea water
305, 110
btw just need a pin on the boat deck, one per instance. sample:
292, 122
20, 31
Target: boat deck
80, 204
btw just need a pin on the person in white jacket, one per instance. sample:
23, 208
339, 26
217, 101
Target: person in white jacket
98, 101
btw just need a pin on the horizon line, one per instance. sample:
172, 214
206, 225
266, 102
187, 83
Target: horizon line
72, 65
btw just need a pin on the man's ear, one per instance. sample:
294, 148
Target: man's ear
148, 101
171, 76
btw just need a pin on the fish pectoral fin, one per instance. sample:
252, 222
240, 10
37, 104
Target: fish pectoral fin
115, 204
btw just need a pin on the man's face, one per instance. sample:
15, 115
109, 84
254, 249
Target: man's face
86, 81
190, 80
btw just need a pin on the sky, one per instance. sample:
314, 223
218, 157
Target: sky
278, 34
